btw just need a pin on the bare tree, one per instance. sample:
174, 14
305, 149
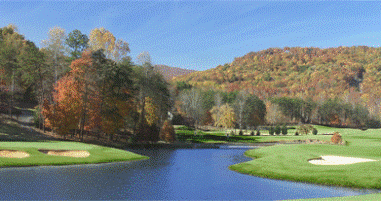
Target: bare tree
55, 46
192, 105
239, 107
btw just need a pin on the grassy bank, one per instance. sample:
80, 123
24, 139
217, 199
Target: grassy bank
15, 137
98, 154
376, 196
290, 162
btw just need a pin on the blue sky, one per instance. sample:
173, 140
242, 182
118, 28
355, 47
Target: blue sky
203, 34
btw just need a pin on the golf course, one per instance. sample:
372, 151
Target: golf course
23, 146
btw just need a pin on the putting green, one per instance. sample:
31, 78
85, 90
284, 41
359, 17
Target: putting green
97, 154
290, 162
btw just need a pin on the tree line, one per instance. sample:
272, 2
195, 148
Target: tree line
83, 84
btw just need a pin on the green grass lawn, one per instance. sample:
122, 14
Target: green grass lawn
220, 136
369, 197
290, 162
98, 154
15, 137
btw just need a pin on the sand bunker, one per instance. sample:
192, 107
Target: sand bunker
69, 153
13, 154
338, 160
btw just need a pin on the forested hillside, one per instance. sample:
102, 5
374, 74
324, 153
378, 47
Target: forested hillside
348, 74
171, 72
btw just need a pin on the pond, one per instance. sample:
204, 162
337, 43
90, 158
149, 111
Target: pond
169, 174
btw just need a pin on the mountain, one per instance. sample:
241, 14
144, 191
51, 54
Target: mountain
347, 73
170, 72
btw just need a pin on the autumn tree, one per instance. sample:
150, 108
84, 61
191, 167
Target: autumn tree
149, 83
227, 118
167, 132
115, 49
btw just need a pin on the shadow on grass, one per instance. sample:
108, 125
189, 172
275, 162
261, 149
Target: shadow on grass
15, 131
218, 138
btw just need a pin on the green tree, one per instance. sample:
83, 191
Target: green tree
254, 111
77, 42
11, 44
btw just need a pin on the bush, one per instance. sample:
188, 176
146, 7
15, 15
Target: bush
240, 132
296, 133
277, 129
336, 138
304, 129
258, 133
314, 131
284, 130
167, 132
271, 130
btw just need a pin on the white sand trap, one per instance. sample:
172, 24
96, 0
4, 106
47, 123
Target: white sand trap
338, 160
69, 153
13, 154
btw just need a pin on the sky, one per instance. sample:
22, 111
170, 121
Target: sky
200, 35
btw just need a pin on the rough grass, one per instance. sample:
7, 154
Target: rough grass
290, 162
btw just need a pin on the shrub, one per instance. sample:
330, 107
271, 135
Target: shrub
271, 130
304, 129
296, 133
167, 132
336, 138
284, 130
240, 132
258, 133
314, 131
277, 129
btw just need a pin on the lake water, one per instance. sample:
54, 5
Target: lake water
169, 174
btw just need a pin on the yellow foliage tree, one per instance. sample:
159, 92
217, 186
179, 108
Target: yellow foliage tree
151, 111
100, 38
227, 117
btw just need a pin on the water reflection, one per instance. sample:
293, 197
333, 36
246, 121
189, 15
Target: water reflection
174, 174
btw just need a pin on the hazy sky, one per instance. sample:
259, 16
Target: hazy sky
203, 34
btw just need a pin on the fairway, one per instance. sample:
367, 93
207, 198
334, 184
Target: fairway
98, 154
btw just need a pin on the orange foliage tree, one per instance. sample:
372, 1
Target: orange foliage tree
80, 104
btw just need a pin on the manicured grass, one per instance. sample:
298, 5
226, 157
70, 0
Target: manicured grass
290, 162
220, 136
14, 137
98, 154
375, 196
